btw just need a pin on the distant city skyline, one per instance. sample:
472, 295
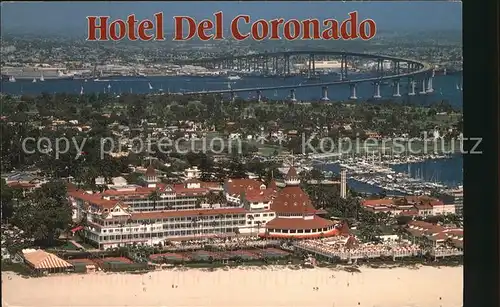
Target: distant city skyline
70, 18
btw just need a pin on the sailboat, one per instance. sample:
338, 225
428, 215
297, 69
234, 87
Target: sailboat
229, 85
42, 78
457, 86
12, 79
461, 87
81, 90
275, 93
150, 86
34, 80
109, 87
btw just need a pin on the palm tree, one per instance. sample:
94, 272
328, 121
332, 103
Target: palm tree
259, 223
200, 220
145, 224
221, 198
211, 199
198, 203
213, 224
194, 223
219, 217
154, 197
251, 218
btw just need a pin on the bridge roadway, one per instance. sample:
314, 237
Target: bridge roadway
299, 52
424, 69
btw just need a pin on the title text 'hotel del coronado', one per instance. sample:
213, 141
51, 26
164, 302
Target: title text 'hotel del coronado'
135, 214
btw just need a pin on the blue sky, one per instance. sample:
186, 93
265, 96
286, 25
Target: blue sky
54, 17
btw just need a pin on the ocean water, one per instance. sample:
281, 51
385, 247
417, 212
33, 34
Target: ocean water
446, 171
445, 87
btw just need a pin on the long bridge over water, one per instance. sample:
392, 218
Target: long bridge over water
278, 64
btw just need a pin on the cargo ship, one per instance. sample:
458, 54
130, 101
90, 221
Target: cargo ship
30, 74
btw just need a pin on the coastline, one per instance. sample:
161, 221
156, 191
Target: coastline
243, 286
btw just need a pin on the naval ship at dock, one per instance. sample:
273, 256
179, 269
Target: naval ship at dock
14, 74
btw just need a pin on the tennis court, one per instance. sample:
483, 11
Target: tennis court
272, 252
245, 255
203, 255
169, 257
107, 261
83, 261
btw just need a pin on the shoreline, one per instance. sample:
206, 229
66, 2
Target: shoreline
243, 286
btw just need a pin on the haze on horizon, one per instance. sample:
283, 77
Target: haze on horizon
70, 17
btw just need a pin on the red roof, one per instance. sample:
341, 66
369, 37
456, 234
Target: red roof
292, 173
421, 224
423, 206
409, 212
299, 223
273, 185
21, 185
150, 171
260, 195
238, 186
377, 202
94, 199
292, 199
76, 229
345, 230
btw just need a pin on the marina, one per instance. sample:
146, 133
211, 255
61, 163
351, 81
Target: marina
388, 175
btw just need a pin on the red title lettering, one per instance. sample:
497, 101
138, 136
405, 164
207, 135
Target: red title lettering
100, 28
241, 27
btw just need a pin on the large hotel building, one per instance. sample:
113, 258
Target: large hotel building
154, 212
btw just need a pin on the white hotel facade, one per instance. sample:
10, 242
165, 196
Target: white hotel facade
132, 215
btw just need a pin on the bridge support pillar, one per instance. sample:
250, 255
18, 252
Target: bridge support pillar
423, 91
411, 84
396, 89
259, 96
343, 68
324, 89
353, 91
313, 65
377, 95
429, 85
292, 95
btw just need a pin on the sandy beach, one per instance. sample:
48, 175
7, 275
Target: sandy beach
266, 287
